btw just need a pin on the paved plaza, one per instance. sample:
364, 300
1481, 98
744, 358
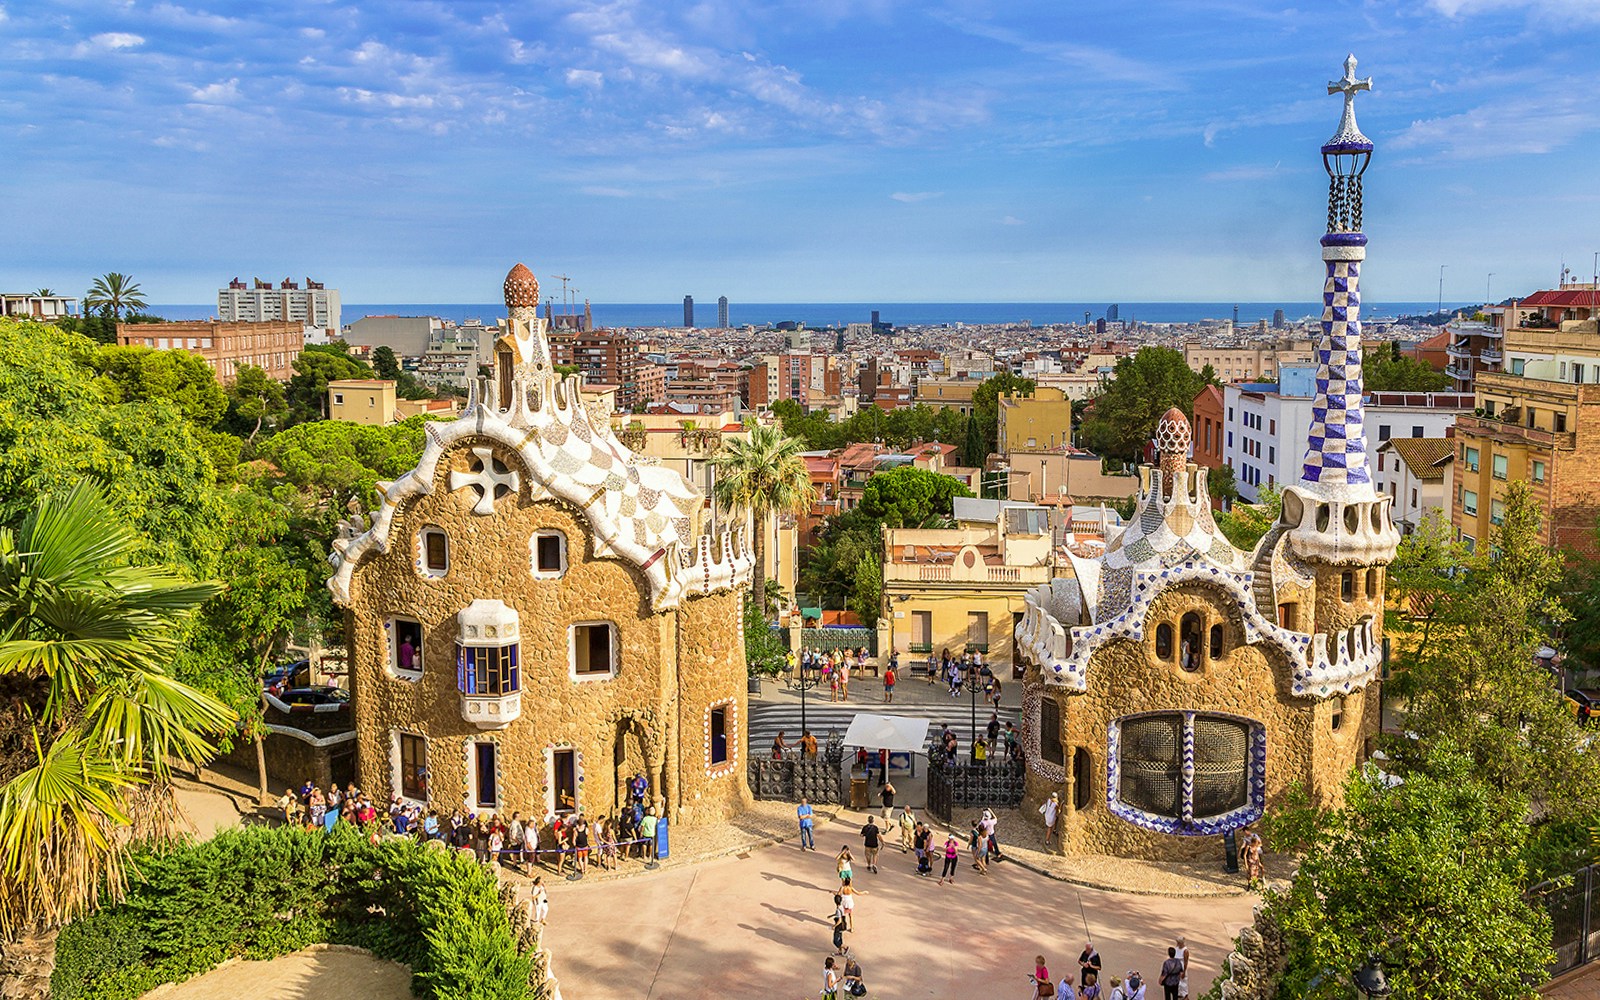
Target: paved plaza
757, 925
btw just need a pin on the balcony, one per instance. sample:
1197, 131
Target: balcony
491, 711
1491, 356
1461, 351
1458, 373
1510, 433
947, 573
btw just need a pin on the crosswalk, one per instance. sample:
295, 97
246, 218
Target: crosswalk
768, 718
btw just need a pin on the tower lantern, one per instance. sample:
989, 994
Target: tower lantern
1346, 155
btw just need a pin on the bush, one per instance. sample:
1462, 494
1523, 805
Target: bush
92, 948
259, 893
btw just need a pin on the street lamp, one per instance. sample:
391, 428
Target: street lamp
1371, 981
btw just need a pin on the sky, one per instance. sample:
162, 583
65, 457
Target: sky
793, 151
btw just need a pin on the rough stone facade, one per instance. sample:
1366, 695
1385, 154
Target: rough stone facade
491, 484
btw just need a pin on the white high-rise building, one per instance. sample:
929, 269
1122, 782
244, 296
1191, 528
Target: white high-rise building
259, 301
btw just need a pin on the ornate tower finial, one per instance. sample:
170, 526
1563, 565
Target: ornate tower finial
1346, 155
1336, 453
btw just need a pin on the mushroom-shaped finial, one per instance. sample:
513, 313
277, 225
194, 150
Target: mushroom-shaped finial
522, 288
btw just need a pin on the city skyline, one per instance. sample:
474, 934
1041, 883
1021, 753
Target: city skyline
837, 153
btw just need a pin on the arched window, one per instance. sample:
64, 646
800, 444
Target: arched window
433, 552
1164, 640
1347, 586
1151, 754
1352, 518
1190, 640
1372, 583
1216, 642
1337, 718
1082, 778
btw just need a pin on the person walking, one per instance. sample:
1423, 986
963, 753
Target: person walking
1171, 975
952, 857
1051, 811
889, 678
806, 815
778, 746
990, 824
848, 893
839, 925
908, 828
922, 839
1064, 990
872, 840
1183, 956
1091, 987
842, 864
886, 796
541, 900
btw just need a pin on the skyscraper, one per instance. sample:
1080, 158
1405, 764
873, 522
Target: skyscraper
1111, 313
1277, 319
688, 310
722, 312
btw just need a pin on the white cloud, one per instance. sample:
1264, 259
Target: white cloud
593, 79
911, 197
110, 41
1583, 10
606, 192
1530, 126
1212, 128
221, 92
313, 33
1246, 172
1011, 220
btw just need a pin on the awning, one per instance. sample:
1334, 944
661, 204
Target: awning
887, 732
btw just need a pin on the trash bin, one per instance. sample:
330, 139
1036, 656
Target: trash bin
859, 794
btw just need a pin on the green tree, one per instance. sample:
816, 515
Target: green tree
1222, 485
909, 497
114, 294
85, 639
254, 401
986, 405
1426, 876
866, 596
384, 362
313, 370
1475, 681
762, 476
1391, 371
331, 462
973, 453
1144, 386
137, 374
827, 568
764, 652
1246, 524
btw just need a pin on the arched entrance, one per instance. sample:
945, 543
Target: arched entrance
632, 755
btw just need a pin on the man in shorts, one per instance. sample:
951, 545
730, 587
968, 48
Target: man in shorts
871, 837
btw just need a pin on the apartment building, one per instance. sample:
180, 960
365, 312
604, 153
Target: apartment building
31, 305
362, 401
941, 393
1412, 472
270, 346
799, 375
1252, 363
260, 302
1538, 420
606, 357
1041, 420
1261, 417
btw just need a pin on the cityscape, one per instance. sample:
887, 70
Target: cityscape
1028, 582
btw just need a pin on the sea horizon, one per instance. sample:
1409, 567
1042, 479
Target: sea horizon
833, 314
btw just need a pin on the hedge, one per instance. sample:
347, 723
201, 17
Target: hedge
259, 893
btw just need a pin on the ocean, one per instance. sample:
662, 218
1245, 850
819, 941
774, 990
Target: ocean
826, 314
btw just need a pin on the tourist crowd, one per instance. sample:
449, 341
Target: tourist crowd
569, 839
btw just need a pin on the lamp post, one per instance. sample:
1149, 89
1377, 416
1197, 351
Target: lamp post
1371, 981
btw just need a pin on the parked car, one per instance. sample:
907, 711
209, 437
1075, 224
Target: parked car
316, 699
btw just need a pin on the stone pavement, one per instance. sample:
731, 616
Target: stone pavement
1579, 984
756, 924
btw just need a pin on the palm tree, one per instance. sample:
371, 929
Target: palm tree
45, 293
115, 293
89, 715
763, 475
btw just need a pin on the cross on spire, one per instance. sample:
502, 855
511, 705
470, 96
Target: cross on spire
1349, 86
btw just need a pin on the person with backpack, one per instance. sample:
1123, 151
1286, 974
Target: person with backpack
853, 984
1171, 975
921, 840
908, 828
1135, 987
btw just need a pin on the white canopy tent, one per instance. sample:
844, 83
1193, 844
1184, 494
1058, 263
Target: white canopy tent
887, 732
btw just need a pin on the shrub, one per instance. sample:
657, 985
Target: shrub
260, 893
93, 947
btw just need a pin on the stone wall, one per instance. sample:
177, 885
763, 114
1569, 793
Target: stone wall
1126, 677
671, 666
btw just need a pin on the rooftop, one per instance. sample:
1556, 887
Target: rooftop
1421, 455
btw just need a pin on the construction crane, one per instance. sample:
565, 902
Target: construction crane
563, 279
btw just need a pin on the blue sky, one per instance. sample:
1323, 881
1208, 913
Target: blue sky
813, 150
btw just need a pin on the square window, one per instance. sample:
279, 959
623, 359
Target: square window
549, 554
1469, 502
405, 647
1416, 430
338, 399
593, 650
1383, 432
1499, 463
1538, 472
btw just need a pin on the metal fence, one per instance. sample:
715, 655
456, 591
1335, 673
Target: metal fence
1575, 925
959, 785
820, 779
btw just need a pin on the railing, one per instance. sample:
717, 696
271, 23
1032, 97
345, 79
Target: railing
947, 573
1571, 904
1458, 373
1515, 433
978, 647
1491, 356
1462, 351
921, 647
